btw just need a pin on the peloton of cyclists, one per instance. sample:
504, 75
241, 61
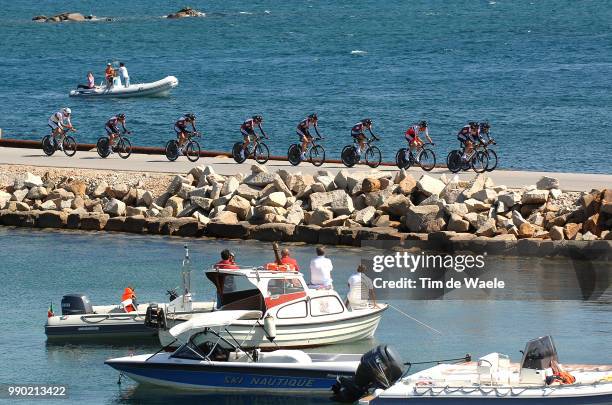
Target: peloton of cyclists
358, 133
303, 132
413, 132
248, 130
182, 133
60, 123
112, 129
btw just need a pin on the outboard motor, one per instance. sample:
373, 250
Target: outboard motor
76, 304
381, 367
155, 317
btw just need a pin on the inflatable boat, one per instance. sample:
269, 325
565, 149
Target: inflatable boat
159, 88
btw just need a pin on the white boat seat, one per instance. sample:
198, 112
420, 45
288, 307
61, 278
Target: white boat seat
285, 356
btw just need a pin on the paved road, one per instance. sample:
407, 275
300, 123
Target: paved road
223, 165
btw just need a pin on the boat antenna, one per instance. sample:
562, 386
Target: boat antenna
186, 271
416, 320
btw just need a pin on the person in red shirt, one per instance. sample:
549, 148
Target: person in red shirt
227, 260
287, 259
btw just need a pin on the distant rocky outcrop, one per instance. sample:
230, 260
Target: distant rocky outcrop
77, 17
186, 12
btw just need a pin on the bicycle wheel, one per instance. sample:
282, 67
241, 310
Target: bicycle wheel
348, 156
427, 159
124, 148
317, 155
373, 157
237, 153
192, 151
479, 162
102, 147
70, 146
453, 161
172, 152
400, 159
492, 156
261, 154
47, 145
294, 154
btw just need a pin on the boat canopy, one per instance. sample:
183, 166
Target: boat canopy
539, 353
236, 292
213, 319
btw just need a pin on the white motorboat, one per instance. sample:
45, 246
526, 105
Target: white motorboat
82, 320
293, 315
538, 379
209, 362
159, 88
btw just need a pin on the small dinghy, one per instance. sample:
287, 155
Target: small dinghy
538, 379
210, 362
159, 88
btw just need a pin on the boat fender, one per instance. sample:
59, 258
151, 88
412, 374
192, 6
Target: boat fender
270, 327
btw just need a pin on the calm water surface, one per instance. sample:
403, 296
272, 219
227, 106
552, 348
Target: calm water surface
38, 267
538, 70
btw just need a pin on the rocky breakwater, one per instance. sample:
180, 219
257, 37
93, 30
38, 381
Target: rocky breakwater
344, 208
63, 17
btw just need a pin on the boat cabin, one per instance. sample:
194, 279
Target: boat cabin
284, 291
537, 358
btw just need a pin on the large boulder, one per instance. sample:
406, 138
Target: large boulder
276, 199
369, 185
535, 197
510, 198
176, 204
407, 184
571, 230
364, 216
240, 206
28, 180
458, 224
144, 198
226, 217
295, 214
19, 195
4, 199
418, 218
606, 201
260, 179
186, 12
396, 205
99, 190
341, 179
547, 183
230, 185
203, 203
319, 216
115, 207
326, 181
478, 183
77, 187
556, 233
117, 191
485, 195
280, 185
429, 185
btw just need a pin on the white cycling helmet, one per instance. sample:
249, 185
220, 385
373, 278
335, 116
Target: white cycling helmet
66, 110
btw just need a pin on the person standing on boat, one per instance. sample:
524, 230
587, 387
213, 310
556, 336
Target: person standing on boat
123, 73
109, 74
287, 259
320, 271
361, 290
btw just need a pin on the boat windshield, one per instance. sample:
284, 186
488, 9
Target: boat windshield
236, 292
204, 345
539, 353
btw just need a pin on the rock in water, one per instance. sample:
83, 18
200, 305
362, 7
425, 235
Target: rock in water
186, 12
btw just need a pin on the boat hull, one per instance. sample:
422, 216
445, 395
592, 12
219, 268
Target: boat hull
251, 334
217, 376
160, 88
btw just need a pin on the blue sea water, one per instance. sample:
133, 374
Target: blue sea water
538, 70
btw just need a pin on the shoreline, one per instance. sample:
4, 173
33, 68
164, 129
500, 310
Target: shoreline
347, 208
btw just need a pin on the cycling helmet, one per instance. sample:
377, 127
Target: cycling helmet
366, 121
313, 116
423, 124
485, 126
257, 118
66, 110
121, 116
190, 116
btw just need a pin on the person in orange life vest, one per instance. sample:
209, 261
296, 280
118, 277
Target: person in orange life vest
129, 294
287, 259
109, 74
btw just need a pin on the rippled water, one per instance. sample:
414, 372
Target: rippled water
38, 267
538, 70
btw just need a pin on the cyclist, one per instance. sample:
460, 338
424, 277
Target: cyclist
60, 123
357, 132
304, 133
468, 135
412, 135
180, 127
484, 128
112, 129
248, 129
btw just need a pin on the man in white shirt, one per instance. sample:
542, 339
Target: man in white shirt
361, 290
320, 271
125, 77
